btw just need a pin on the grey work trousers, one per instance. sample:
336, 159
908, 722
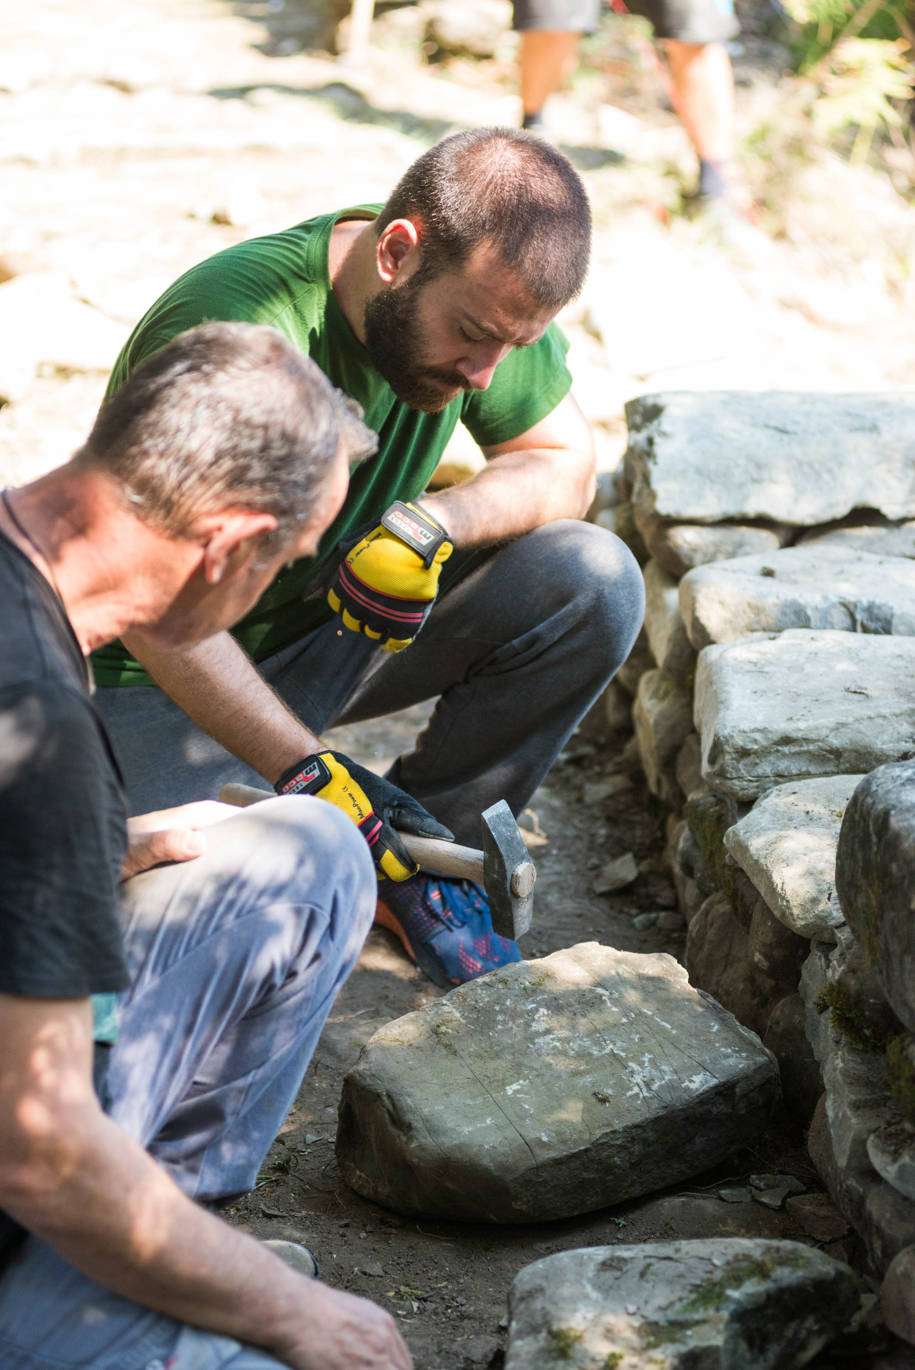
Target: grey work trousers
235, 959
521, 642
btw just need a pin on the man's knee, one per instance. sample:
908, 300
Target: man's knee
594, 570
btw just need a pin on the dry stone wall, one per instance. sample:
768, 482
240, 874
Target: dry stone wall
773, 703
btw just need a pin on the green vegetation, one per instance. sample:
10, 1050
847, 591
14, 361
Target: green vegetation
850, 1020
900, 1067
563, 1341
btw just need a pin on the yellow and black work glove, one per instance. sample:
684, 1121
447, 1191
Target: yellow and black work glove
373, 803
386, 582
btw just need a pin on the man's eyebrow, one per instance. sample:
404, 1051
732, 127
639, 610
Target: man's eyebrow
471, 321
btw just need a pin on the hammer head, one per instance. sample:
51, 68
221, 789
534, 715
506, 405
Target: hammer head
508, 871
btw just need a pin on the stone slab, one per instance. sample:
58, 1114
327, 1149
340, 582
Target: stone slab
550, 1088
875, 874
733, 1303
772, 709
798, 587
882, 538
662, 718
793, 457
678, 547
671, 648
786, 844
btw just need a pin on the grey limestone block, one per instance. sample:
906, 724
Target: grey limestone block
883, 1218
550, 1088
718, 958
798, 587
891, 1149
771, 709
793, 457
875, 875
786, 844
678, 547
726, 1303
897, 1295
880, 536
662, 716
670, 646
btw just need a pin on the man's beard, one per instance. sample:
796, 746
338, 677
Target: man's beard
395, 347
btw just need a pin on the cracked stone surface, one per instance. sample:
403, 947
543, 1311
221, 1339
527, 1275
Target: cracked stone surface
550, 1088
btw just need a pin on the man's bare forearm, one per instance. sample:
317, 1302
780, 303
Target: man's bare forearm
219, 687
510, 496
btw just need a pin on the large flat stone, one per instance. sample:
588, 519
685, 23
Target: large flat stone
875, 876
789, 456
774, 709
786, 844
798, 587
551, 1088
728, 1303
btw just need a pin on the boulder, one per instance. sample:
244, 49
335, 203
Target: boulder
550, 1088
787, 456
786, 844
897, 1295
664, 627
728, 1302
875, 876
678, 547
884, 1220
774, 709
798, 587
662, 717
891, 1150
717, 956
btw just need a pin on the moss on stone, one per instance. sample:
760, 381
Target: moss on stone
850, 1020
900, 1068
612, 1360
563, 1341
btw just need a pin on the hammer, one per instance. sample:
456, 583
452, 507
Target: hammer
503, 867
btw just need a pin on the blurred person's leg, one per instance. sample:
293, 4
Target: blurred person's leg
704, 84
550, 31
693, 35
547, 60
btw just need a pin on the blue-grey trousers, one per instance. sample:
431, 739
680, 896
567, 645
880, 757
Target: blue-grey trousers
521, 642
235, 960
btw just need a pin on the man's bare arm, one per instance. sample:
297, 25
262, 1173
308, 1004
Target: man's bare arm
71, 1176
544, 474
220, 688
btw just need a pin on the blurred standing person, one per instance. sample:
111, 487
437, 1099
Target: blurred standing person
693, 34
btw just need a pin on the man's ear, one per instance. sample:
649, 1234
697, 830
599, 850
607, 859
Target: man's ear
226, 539
397, 249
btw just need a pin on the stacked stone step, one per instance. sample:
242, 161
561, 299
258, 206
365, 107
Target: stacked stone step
775, 672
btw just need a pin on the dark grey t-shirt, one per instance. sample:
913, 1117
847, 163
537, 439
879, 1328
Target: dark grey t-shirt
62, 811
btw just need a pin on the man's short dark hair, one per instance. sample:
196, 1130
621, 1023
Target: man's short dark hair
500, 186
226, 414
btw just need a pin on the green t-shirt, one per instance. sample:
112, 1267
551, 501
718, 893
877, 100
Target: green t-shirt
283, 280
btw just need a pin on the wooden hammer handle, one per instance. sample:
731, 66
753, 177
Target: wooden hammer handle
431, 853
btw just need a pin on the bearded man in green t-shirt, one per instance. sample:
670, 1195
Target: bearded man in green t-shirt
436, 308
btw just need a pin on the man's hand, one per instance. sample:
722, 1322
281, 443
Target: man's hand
371, 802
170, 835
344, 1332
387, 582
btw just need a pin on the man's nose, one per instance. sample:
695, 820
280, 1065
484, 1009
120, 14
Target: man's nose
478, 366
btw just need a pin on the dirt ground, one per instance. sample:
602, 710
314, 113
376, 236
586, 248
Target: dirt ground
139, 139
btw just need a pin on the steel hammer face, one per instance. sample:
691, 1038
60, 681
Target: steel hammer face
509, 873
